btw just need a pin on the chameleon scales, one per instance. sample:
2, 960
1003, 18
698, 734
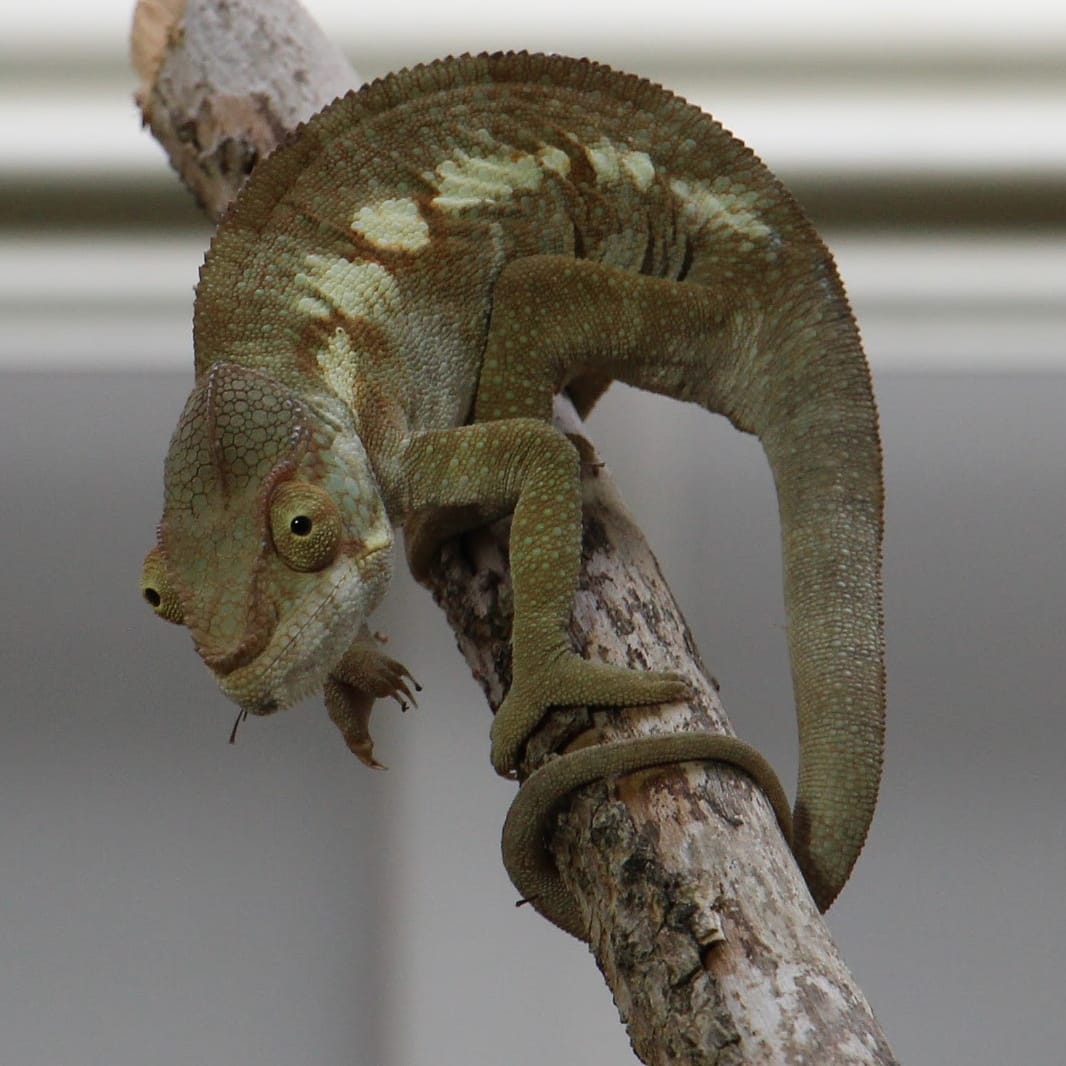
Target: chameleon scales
381, 322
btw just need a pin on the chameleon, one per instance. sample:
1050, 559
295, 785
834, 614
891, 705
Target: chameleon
381, 323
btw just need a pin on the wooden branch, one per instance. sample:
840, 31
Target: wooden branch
223, 82
697, 915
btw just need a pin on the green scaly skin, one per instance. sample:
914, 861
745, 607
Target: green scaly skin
381, 323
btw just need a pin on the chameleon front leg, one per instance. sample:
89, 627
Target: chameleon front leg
526, 467
555, 319
363, 675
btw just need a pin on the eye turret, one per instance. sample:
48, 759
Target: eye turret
157, 590
305, 525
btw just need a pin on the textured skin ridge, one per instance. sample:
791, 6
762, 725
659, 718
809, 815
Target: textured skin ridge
418, 270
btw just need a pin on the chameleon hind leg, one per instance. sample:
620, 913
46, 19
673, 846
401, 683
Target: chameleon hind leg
557, 319
526, 467
554, 318
778, 353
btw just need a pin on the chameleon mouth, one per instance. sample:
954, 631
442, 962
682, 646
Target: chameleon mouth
225, 663
295, 662
265, 707
263, 689
297, 658
258, 636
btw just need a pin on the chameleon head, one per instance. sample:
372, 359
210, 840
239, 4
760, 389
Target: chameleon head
274, 544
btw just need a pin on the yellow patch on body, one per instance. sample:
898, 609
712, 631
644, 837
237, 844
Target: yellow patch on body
720, 203
359, 289
469, 180
392, 225
613, 164
337, 363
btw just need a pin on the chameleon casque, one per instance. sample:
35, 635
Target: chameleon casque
381, 323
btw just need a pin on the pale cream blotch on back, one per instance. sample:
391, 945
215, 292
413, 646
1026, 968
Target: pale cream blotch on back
329, 284
467, 180
274, 543
613, 163
721, 204
394, 225
360, 290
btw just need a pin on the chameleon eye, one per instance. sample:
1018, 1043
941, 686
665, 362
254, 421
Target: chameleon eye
305, 525
156, 589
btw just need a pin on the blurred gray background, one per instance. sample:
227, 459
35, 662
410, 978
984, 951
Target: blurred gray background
170, 899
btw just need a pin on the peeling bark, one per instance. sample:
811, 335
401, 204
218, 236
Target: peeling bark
697, 915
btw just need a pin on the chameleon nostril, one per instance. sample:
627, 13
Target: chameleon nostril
153, 597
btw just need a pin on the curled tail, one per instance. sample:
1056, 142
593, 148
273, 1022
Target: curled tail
776, 350
806, 393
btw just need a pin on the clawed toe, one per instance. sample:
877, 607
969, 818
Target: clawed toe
364, 674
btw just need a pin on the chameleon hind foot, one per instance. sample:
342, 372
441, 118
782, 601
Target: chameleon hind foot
567, 682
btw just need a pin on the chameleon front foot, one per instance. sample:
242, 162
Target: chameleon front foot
363, 675
572, 681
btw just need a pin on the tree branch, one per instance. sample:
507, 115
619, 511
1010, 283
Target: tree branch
696, 913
